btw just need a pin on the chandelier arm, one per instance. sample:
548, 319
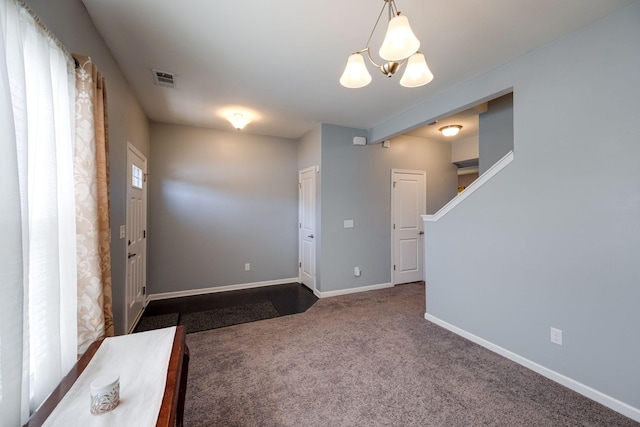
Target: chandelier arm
368, 51
370, 58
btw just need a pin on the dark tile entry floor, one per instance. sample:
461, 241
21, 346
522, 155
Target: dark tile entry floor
290, 298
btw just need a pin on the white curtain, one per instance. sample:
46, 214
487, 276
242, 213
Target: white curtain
38, 306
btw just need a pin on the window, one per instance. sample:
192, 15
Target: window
38, 312
136, 177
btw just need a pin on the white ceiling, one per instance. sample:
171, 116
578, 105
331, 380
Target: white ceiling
281, 61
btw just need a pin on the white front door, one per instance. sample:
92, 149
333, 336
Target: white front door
408, 198
307, 227
136, 235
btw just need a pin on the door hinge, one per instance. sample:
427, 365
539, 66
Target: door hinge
300, 264
394, 226
144, 290
394, 184
300, 185
394, 267
144, 233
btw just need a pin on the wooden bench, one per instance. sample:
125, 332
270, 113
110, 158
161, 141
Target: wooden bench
172, 408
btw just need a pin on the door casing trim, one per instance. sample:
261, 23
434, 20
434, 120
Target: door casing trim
393, 255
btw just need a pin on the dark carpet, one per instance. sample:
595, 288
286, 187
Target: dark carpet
222, 317
209, 319
369, 359
148, 323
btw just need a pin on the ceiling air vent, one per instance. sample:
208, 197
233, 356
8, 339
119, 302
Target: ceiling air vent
163, 78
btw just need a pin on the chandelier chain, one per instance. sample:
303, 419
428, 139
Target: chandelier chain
392, 9
376, 25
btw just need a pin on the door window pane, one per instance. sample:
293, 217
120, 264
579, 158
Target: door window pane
136, 177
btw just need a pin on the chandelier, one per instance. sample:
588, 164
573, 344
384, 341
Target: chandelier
400, 47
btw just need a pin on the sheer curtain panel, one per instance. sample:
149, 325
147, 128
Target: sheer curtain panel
38, 304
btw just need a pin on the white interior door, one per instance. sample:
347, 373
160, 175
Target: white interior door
307, 227
136, 235
408, 203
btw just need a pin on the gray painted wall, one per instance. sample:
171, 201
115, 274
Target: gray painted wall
218, 200
70, 22
553, 240
495, 131
310, 149
356, 184
465, 149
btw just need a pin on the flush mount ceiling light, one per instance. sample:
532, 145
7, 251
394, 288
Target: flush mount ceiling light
239, 120
451, 130
400, 47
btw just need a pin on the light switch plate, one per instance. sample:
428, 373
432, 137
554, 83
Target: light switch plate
123, 232
348, 223
556, 336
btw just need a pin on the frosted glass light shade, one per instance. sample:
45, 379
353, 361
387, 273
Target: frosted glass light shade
239, 120
417, 72
451, 130
400, 42
355, 74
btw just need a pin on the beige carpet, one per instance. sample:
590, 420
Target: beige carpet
369, 359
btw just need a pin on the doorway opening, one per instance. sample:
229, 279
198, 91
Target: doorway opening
485, 135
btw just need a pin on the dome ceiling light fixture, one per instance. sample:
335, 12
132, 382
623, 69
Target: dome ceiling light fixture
239, 120
400, 47
450, 130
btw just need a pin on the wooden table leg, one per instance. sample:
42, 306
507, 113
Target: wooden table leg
183, 387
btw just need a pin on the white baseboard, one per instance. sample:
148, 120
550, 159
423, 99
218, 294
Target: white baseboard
328, 294
192, 292
593, 394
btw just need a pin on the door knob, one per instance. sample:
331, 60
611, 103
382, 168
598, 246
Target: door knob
310, 236
421, 233
131, 255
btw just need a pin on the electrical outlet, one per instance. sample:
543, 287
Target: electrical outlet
556, 336
247, 267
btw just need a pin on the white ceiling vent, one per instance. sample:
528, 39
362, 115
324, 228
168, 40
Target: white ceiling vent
163, 78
